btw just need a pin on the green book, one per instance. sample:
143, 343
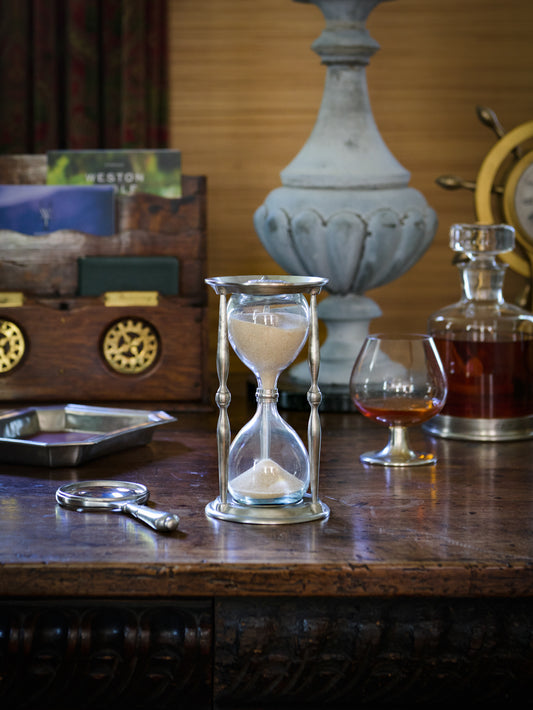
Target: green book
157, 172
99, 274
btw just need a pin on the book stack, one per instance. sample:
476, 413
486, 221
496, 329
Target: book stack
82, 186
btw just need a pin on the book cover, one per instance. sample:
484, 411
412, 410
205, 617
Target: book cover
156, 172
40, 209
98, 274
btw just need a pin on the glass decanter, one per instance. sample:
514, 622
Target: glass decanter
485, 344
268, 463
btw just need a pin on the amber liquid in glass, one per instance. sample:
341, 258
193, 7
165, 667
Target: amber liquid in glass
492, 379
399, 411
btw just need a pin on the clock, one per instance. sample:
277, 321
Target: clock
521, 206
504, 192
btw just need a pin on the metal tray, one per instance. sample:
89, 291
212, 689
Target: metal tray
70, 434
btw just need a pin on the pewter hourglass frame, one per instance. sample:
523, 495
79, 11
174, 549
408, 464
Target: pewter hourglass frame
310, 507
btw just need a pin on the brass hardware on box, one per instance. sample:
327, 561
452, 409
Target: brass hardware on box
11, 299
130, 346
12, 345
131, 298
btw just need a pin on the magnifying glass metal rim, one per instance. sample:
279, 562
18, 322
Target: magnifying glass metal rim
77, 495
130, 499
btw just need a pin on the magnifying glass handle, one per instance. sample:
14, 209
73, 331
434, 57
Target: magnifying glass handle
156, 519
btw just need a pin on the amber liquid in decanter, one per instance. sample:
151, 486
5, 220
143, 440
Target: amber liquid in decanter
488, 379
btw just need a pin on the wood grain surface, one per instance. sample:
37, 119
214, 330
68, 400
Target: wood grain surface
462, 528
245, 92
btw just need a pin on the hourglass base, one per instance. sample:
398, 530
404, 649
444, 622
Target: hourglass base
302, 512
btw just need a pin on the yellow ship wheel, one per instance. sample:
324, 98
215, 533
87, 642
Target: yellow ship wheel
130, 346
504, 192
12, 346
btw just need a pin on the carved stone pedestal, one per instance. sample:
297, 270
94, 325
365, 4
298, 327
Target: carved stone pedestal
345, 210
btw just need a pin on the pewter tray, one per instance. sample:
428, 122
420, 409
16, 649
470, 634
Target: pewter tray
70, 434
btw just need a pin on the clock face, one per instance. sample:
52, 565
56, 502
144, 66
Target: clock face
523, 199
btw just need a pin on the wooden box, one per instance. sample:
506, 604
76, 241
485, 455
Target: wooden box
134, 346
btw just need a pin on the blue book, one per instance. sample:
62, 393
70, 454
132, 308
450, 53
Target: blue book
40, 209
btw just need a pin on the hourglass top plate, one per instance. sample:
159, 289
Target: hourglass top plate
267, 285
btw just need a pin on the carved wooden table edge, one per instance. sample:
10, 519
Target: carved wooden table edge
379, 580
263, 652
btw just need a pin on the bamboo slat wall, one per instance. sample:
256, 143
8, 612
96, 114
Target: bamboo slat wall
246, 88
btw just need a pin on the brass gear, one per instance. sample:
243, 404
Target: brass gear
130, 346
12, 345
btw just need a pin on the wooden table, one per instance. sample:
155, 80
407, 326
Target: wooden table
417, 589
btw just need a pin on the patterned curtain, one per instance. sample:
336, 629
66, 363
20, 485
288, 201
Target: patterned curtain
82, 74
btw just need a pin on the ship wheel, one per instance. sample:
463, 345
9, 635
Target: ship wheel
130, 346
503, 190
12, 346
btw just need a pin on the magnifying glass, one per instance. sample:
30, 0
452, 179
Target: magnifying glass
117, 496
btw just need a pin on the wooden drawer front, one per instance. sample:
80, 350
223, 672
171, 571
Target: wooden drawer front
64, 361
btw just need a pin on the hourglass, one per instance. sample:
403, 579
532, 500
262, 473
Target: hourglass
266, 474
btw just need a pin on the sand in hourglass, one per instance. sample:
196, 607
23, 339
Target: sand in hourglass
266, 480
267, 342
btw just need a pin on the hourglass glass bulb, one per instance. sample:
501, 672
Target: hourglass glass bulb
268, 463
267, 333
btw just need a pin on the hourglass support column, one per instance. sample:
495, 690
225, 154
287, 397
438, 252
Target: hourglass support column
223, 399
314, 397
